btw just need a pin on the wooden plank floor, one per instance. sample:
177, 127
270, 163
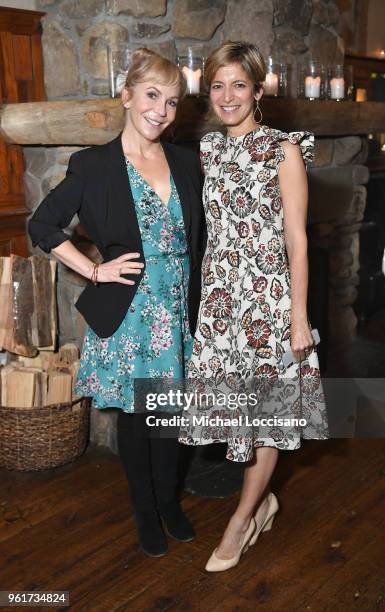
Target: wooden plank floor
71, 529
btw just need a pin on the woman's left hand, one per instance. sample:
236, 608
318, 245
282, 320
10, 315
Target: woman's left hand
302, 342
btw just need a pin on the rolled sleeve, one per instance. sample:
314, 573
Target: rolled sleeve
56, 211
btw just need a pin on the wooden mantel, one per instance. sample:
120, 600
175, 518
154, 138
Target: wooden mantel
96, 121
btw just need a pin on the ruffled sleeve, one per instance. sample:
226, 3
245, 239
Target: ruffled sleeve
305, 140
210, 145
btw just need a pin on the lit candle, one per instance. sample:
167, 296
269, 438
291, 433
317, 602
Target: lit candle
312, 87
193, 78
360, 95
337, 88
271, 84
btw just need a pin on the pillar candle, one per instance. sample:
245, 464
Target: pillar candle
271, 84
312, 87
337, 88
193, 78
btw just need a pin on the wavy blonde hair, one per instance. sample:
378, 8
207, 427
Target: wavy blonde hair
146, 65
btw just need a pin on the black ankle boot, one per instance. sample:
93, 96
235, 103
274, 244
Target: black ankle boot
176, 522
151, 535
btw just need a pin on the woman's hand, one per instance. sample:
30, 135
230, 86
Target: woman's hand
111, 271
302, 342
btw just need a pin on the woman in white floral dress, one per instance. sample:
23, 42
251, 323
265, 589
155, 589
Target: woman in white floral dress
254, 275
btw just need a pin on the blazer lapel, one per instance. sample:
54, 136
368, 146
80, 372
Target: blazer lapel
121, 223
181, 183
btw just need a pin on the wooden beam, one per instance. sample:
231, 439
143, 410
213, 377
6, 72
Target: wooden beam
96, 121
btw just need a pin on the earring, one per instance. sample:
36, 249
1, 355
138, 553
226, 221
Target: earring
260, 113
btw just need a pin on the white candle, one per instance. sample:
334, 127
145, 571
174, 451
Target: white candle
271, 84
337, 88
312, 87
193, 78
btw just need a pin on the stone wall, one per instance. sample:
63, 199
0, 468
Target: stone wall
75, 33
337, 203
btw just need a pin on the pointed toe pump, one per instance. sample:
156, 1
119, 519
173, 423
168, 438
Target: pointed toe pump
215, 564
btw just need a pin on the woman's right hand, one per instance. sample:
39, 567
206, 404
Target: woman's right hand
111, 271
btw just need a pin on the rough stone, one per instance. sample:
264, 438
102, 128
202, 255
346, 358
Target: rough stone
360, 174
85, 8
198, 18
320, 13
59, 50
325, 46
103, 428
94, 46
343, 324
288, 43
253, 23
167, 49
293, 13
333, 14
323, 152
149, 30
52, 180
346, 295
33, 192
100, 89
137, 8
346, 149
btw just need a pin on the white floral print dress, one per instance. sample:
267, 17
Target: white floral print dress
244, 317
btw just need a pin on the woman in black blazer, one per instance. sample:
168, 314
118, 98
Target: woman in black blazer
120, 191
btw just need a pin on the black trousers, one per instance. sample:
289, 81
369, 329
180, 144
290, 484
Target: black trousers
149, 459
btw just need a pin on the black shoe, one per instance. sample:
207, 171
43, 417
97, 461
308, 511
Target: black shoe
176, 522
151, 535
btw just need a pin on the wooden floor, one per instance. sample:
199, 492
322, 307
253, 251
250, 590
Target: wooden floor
71, 529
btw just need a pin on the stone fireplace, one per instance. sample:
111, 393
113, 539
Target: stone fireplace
74, 39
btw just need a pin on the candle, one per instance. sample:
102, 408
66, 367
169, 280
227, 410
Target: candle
312, 87
337, 88
193, 78
271, 84
360, 95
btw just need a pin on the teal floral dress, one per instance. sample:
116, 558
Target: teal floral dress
153, 340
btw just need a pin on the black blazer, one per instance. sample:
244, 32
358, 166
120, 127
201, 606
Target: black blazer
97, 187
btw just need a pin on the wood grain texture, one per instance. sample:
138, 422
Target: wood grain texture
87, 122
21, 80
72, 529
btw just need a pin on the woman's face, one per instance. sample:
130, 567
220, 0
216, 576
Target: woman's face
232, 95
151, 107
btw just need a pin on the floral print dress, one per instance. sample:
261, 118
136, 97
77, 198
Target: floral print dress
153, 340
244, 318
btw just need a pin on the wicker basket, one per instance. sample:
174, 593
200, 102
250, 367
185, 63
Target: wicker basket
43, 438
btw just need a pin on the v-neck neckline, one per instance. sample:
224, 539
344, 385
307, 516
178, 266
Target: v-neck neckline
165, 204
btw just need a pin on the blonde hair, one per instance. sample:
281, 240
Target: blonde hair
147, 65
246, 54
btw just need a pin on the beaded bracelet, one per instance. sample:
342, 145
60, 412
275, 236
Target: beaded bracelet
94, 276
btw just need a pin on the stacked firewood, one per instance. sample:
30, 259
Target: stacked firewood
27, 304
48, 378
33, 375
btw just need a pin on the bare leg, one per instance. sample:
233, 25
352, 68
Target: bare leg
254, 491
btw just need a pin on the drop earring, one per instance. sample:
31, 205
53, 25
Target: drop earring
260, 113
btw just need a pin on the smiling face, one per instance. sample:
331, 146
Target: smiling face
151, 107
232, 96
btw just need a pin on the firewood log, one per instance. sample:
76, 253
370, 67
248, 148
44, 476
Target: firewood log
44, 327
59, 387
5, 301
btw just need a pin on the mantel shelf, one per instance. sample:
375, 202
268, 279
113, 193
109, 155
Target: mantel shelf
96, 121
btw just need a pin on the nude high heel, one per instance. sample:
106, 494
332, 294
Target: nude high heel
215, 564
267, 523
